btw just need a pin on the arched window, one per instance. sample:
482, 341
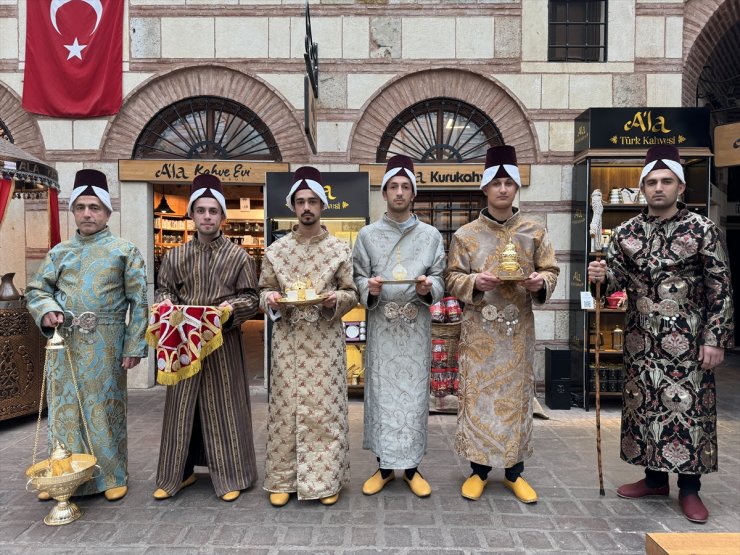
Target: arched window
440, 130
208, 127
5, 132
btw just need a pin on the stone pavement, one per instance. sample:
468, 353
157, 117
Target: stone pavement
570, 517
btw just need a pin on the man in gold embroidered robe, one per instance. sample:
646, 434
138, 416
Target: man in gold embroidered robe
207, 417
496, 350
307, 425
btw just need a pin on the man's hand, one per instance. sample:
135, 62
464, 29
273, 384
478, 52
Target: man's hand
486, 281
374, 285
272, 300
423, 285
535, 282
52, 319
226, 304
330, 301
710, 356
597, 271
130, 362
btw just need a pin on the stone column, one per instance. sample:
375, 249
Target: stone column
137, 226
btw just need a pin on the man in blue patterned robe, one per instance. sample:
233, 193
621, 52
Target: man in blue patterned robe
85, 287
675, 269
398, 353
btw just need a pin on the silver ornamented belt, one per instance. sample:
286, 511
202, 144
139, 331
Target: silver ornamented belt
667, 308
407, 312
307, 313
507, 317
86, 322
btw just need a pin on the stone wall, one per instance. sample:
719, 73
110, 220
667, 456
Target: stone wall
377, 58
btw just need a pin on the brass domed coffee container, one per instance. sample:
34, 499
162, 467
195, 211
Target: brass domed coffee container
509, 268
63, 472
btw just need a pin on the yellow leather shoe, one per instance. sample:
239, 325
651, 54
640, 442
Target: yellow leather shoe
114, 494
522, 490
231, 495
418, 485
376, 483
279, 499
330, 500
472, 488
43, 496
160, 494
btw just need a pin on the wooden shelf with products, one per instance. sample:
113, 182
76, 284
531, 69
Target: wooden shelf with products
171, 230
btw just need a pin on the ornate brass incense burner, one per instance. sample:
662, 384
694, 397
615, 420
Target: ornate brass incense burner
508, 268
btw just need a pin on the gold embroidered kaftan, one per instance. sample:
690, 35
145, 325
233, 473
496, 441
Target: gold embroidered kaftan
494, 423
307, 426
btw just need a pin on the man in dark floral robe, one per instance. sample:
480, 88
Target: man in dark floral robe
674, 267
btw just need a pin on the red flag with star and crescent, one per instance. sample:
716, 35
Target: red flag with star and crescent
74, 58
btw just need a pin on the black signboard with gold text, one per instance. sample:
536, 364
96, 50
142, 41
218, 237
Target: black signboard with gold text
348, 194
624, 128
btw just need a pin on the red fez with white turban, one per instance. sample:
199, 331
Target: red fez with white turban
663, 157
93, 183
206, 186
399, 165
307, 177
501, 162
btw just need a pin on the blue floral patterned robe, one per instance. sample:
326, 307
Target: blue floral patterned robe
676, 273
105, 275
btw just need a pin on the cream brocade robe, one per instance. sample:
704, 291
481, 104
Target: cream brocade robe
307, 423
494, 423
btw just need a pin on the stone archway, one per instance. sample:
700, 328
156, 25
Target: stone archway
22, 125
163, 90
705, 23
481, 92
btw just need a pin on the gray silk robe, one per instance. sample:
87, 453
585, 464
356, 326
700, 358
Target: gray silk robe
307, 423
398, 349
494, 421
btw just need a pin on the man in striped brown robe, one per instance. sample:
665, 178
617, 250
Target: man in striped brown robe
207, 418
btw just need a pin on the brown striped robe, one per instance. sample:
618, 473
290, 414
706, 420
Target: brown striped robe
209, 274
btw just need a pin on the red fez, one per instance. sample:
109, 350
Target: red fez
307, 177
402, 165
207, 185
307, 172
501, 162
663, 157
93, 183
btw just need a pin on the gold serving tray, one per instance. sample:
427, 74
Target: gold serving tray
512, 278
318, 300
400, 281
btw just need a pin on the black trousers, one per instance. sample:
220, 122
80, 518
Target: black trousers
687, 483
512, 473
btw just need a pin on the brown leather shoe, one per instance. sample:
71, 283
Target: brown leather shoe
641, 489
693, 508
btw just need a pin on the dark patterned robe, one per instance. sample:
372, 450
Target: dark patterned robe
677, 277
494, 421
103, 274
208, 274
307, 423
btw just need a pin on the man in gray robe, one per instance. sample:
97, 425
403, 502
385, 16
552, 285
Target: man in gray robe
398, 247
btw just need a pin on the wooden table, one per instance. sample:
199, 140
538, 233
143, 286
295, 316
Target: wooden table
706, 543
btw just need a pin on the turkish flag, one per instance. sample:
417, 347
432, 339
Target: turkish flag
74, 57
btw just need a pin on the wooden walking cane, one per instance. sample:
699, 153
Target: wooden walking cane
598, 209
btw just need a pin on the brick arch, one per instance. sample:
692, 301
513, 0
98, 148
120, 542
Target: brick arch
704, 24
483, 93
22, 125
163, 90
